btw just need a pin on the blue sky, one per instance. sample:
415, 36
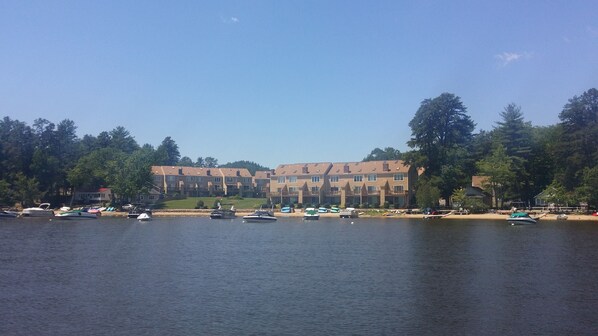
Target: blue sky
288, 81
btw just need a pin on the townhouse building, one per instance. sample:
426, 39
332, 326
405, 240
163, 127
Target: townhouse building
194, 181
344, 183
261, 183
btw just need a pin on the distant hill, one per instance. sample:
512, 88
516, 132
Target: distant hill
251, 166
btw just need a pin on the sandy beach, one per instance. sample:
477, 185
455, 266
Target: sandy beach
240, 213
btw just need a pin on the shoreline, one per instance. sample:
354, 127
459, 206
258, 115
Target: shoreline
241, 213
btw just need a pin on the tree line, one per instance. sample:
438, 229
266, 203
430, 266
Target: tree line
518, 160
47, 161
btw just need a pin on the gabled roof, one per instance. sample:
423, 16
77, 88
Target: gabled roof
369, 167
298, 169
177, 170
263, 174
232, 172
195, 171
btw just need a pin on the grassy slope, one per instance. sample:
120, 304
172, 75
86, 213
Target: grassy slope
191, 202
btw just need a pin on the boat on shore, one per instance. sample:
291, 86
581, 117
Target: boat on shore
437, 215
348, 213
260, 216
43, 210
78, 214
311, 214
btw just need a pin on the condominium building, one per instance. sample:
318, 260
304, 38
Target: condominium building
344, 183
193, 181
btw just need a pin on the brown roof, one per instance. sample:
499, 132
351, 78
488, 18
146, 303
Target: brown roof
242, 172
369, 167
479, 181
195, 171
263, 174
303, 169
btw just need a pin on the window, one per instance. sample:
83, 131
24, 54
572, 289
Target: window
398, 189
333, 179
315, 179
357, 178
216, 187
292, 179
357, 190
372, 177
229, 179
292, 189
315, 189
399, 177
170, 178
334, 190
372, 188
281, 179
245, 187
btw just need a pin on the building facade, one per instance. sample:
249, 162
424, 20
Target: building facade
372, 183
193, 181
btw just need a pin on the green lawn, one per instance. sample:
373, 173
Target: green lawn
191, 202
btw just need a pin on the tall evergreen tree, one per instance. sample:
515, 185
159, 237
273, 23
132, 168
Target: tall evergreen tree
167, 154
578, 146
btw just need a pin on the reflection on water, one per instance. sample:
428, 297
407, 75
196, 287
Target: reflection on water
190, 276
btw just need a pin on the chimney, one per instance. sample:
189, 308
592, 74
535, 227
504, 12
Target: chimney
304, 170
346, 169
238, 173
209, 172
180, 171
385, 166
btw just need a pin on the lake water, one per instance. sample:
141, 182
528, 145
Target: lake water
196, 276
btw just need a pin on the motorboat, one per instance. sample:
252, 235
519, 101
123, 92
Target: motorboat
562, 217
8, 214
322, 210
260, 216
145, 217
223, 213
437, 215
311, 214
522, 218
78, 214
348, 213
136, 211
43, 210
334, 210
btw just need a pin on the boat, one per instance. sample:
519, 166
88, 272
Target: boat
348, 213
43, 210
136, 211
311, 214
145, 216
437, 215
334, 210
8, 214
562, 217
322, 210
260, 216
522, 218
78, 214
223, 213
287, 209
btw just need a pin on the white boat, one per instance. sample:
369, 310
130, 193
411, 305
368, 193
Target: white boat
145, 217
522, 218
43, 210
436, 215
311, 214
260, 216
78, 214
